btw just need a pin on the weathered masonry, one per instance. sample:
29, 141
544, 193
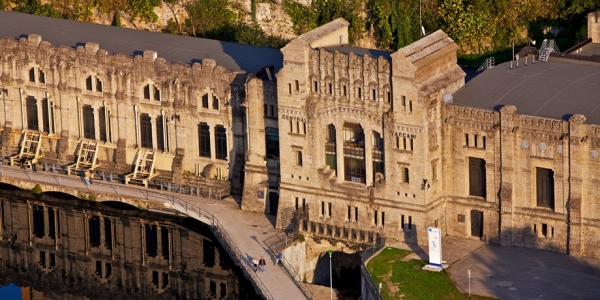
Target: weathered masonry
368, 143
108, 252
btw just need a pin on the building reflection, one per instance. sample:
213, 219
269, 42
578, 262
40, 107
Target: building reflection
71, 249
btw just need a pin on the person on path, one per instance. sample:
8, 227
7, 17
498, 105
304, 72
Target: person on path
255, 264
278, 258
34, 164
22, 161
261, 264
87, 176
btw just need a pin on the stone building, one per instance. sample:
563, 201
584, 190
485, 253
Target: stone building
81, 248
362, 143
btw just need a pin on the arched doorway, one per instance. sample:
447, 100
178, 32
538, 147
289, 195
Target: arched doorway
477, 223
273, 203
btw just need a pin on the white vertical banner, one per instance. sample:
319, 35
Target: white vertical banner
435, 246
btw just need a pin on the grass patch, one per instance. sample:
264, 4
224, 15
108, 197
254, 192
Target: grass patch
406, 280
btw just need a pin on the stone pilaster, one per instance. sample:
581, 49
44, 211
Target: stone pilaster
508, 141
577, 147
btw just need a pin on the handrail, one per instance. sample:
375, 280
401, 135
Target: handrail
217, 229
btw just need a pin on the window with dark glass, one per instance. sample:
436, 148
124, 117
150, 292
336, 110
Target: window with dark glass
94, 231
160, 137
164, 234
102, 123
32, 114
98, 85
272, 141
545, 187
354, 153
51, 225
108, 226
299, 158
32, 75
378, 159
209, 253
205, 101
46, 115
330, 148
89, 128
405, 175
220, 142
41, 76
146, 130
151, 240
477, 177
147, 92
88, 83
204, 139
215, 102
38, 221
156, 94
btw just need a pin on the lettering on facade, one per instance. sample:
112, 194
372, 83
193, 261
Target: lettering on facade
294, 118
406, 135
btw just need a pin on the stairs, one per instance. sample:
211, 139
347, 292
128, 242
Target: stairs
144, 167
547, 47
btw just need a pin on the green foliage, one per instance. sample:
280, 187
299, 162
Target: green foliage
37, 190
208, 17
321, 12
407, 280
2, 7
116, 19
36, 8
301, 238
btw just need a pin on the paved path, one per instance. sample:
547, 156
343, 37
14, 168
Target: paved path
515, 273
247, 230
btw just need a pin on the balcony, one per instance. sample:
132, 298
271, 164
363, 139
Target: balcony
330, 147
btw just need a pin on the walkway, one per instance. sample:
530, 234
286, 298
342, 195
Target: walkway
245, 231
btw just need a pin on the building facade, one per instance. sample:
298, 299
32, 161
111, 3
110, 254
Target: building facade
365, 143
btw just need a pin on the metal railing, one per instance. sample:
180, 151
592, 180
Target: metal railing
180, 205
490, 62
367, 281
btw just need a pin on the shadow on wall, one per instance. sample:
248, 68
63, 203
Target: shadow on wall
345, 271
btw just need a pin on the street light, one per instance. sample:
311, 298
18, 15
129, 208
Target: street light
330, 275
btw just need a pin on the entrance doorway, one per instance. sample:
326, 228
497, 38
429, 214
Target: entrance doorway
273, 203
477, 223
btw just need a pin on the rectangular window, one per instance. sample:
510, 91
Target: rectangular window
375, 215
146, 90
433, 172
412, 144
475, 139
403, 100
466, 139
349, 212
205, 101
156, 94
410, 106
389, 97
146, 130
545, 230
290, 88
344, 90
359, 93
329, 209
297, 202
46, 115
102, 123
545, 187
221, 142
38, 221
477, 179
483, 142
402, 221
299, 158
204, 139
322, 208
330, 88
409, 222
51, 225
32, 114
160, 137
355, 214
98, 85
316, 86
32, 75
108, 233
405, 175
94, 231
297, 85
215, 103
151, 240
89, 128
164, 236
383, 219
42, 76
272, 110
265, 113
374, 94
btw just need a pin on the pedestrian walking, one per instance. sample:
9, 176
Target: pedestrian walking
34, 164
278, 258
255, 264
87, 176
22, 162
261, 264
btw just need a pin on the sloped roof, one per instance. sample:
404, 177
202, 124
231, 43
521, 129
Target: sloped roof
553, 90
322, 31
171, 47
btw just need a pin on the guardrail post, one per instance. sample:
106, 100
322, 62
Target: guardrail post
110, 177
161, 185
45, 166
53, 168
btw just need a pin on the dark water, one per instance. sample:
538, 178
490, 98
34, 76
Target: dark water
65, 248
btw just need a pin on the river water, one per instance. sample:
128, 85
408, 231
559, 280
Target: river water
60, 247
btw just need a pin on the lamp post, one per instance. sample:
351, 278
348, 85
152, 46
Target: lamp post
330, 252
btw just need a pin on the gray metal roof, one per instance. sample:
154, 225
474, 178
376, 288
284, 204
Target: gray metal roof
173, 48
552, 90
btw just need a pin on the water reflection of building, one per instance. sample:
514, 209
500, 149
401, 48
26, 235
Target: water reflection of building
69, 248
